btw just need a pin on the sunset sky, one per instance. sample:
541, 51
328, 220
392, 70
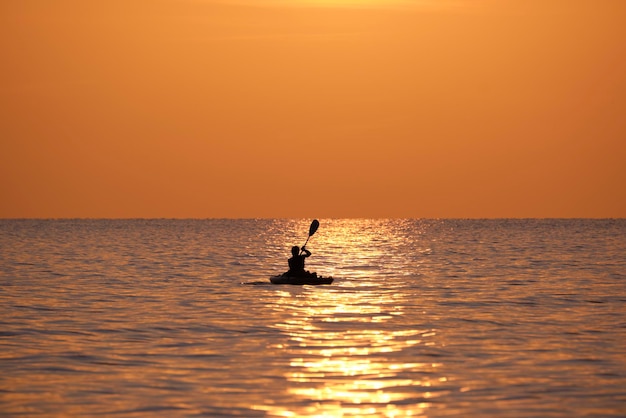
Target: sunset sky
305, 108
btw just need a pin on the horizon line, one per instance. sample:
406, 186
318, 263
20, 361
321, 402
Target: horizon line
306, 218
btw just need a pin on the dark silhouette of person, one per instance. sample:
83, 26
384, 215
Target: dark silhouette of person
296, 262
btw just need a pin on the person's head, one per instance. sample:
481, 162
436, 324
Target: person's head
295, 250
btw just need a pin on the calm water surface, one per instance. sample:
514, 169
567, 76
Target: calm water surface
176, 318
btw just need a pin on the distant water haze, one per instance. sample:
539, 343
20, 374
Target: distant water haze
438, 318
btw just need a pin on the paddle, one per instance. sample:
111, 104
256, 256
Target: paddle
314, 225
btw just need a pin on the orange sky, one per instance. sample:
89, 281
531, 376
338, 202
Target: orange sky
304, 108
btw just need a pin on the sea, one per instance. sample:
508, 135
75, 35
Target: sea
425, 318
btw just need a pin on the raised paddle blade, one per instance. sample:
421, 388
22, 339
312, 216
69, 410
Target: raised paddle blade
314, 225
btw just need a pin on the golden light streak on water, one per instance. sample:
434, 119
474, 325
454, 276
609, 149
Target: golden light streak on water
361, 371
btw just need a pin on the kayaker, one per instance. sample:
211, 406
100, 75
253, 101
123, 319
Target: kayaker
296, 262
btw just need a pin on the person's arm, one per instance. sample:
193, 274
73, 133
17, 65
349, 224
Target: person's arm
306, 252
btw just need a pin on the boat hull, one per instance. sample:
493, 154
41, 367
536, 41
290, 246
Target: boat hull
282, 279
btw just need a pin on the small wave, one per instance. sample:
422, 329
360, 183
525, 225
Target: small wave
257, 283
358, 267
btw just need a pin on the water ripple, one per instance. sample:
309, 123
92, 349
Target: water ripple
134, 318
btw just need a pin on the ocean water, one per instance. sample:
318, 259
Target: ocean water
433, 318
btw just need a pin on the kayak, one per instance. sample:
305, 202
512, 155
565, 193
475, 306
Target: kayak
313, 280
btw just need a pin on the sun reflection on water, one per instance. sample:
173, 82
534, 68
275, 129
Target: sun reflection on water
351, 354
357, 249
349, 348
